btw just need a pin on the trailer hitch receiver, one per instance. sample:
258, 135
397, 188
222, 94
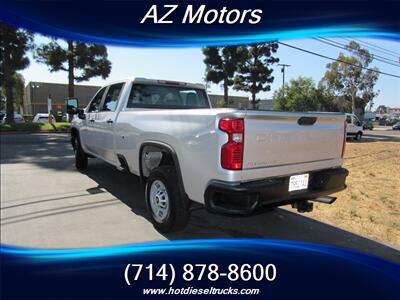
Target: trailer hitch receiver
303, 206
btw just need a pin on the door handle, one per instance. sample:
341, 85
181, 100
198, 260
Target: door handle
91, 120
109, 121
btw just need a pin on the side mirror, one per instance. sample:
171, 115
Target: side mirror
72, 106
81, 114
358, 123
72, 110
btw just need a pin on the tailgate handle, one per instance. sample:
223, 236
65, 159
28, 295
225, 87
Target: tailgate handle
306, 121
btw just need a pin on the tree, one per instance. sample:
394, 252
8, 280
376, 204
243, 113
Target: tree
89, 60
221, 65
2, 99
17, 90
14, 43
300, 94
326, 101
349, 79
254, 74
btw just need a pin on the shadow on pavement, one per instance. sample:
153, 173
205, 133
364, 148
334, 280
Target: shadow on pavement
56, 211
275, 224
51, 151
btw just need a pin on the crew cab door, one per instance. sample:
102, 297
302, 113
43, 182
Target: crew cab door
105, 123
87, 132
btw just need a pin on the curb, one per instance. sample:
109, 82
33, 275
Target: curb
10, 132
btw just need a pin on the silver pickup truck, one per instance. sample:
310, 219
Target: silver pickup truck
230, 160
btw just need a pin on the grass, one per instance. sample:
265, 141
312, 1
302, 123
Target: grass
370, 206
36, 127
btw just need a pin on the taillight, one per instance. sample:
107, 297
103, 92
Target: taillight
344, 138
232, 151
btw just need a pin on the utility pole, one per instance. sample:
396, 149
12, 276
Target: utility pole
283, 77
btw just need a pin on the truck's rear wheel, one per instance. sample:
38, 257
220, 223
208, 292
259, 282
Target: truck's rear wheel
358, 136
168, 210
81, 158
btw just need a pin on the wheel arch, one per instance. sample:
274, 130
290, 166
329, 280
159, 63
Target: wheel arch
74, 131
164, 149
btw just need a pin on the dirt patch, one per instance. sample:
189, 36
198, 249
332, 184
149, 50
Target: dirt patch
370, 205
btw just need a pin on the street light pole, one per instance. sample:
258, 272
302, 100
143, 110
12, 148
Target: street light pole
283, 77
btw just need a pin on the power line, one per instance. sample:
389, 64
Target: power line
370, 49
338, 60
378, 47
374, 56
375, 48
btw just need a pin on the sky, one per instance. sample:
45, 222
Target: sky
186, 64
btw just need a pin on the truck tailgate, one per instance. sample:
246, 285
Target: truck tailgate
280, 138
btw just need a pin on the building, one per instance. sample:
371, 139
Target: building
267, 104
388, 112
394, 112
37, 93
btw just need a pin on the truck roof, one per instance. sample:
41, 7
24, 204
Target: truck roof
165, 82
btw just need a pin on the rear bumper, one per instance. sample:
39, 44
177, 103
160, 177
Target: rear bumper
244, 198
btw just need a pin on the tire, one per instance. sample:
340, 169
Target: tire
81, 158
358, 136
172, 213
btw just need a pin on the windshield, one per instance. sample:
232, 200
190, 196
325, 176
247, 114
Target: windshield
160, 96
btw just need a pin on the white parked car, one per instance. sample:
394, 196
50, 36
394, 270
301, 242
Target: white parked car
18, 118
230, 160
42, 118
354, 128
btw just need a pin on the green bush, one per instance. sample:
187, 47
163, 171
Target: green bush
56, 127
28, 118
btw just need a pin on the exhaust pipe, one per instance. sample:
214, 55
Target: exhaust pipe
325, 199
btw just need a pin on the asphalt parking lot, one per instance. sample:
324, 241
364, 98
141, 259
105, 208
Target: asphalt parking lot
46, 203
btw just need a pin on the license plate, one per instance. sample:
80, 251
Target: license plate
298, 182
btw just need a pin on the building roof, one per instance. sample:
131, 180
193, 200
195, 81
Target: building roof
62, 84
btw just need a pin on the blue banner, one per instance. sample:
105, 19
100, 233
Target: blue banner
189, 23
266, 269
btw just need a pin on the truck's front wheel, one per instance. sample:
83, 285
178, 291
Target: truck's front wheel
168, 210
81, 159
